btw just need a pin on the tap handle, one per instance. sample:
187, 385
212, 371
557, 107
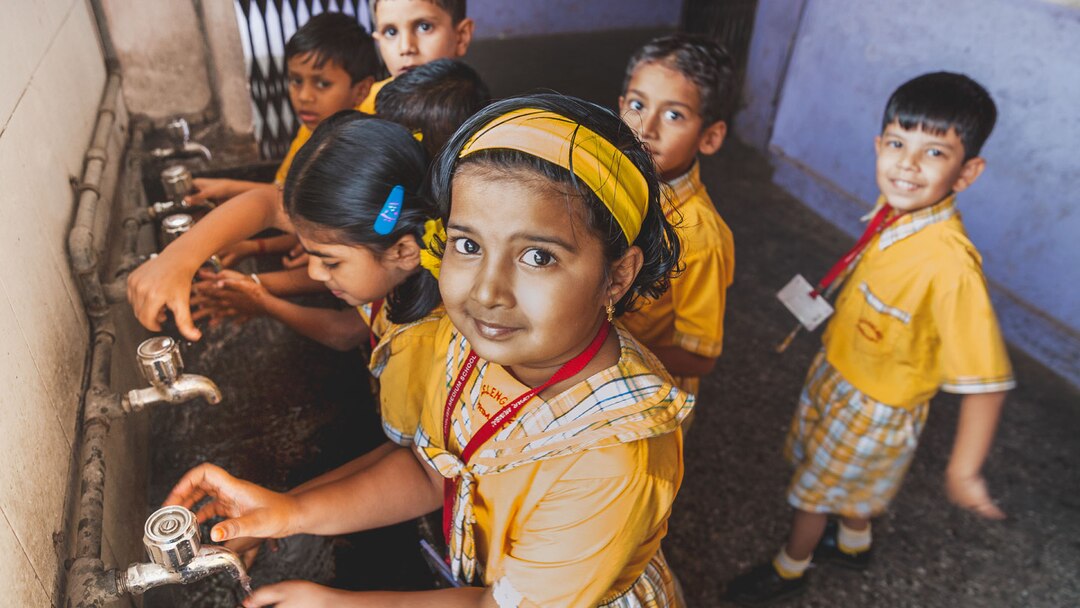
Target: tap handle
159, 360
178, 131
175, 225
171, 537
177, 182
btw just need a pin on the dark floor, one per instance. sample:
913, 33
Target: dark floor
730, 513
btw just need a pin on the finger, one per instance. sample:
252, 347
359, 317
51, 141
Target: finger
194, 485
207, 274
202, 313
988, 510
182, 315
267, 596
252, 524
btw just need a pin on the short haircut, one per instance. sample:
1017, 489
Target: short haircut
940, 101
434, 98
704, 62
455, 8
339, 38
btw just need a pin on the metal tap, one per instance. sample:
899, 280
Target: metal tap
171, 537
175, 225
177, 182
161, 365
180, 133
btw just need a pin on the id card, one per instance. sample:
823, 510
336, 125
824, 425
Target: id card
798, 296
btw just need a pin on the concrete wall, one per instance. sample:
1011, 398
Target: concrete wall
820, 73
53, 79
513, 18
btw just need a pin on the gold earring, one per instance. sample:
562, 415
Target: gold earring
610, 310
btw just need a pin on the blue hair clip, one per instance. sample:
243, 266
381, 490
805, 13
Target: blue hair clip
391, 209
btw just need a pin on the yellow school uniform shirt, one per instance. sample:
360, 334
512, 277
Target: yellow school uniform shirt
690, 314
366, 106
915, 315
571, 499
402, 363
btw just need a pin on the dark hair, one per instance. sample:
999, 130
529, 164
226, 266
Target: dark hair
941, 101
704, 62
455, 8
434, 99
339, 181
657, 239
339, 38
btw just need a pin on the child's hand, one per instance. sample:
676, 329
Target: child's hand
295, 594
250, 510
158, 284
232, 254
230, 293
296, 257
209, 189
969, 492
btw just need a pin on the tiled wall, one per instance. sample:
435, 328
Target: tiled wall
52, 79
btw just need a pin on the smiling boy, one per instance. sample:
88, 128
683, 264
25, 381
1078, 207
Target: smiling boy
913, 317
677, 97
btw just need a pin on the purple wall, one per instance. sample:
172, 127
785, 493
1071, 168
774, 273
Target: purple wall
515, 18
820, 73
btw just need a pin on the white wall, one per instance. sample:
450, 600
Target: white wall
53, 75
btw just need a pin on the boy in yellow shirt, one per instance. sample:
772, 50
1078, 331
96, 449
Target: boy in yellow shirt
677, 98
913, 317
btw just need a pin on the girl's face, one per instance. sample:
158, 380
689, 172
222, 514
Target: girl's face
353, 272
522, 276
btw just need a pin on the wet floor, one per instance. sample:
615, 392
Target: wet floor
294, 409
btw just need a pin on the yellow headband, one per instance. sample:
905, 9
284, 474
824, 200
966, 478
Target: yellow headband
594, 160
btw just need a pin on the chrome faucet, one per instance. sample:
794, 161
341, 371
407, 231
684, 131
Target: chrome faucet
180, 134
175, 225
172, 540
177, 182
161, 365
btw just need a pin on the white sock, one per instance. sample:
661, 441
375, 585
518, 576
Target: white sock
788, 566
853, 541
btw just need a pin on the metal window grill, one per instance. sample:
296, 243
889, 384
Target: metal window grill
265, 26
729, 22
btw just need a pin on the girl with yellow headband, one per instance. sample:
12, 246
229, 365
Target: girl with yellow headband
549, 435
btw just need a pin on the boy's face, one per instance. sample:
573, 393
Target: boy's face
916, 168
411, 33
663, 107
316, 93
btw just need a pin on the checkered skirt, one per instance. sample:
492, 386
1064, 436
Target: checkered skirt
849, 451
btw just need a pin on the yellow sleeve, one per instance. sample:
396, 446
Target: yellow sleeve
973, 357
578, 543
367, 106
699, 297
405, 361
298, 142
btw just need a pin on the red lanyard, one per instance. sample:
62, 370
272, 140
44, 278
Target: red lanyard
876, 225
375, 307
503, 416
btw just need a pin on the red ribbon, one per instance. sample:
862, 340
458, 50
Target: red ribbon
503, 416
876, 225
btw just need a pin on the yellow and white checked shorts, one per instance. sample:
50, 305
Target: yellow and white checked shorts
849, 451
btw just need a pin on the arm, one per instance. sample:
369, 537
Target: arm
165, 281
681, 362
220, 189
396, 489
302, 593
965, 486
292, 282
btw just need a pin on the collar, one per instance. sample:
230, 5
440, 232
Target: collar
915, 221
686, 185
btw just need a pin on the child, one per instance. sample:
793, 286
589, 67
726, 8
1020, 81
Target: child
913, 317
330, 66
677, 97
551, 209
434, 100
411, 33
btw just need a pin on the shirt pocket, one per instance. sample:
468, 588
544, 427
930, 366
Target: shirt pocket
879, 326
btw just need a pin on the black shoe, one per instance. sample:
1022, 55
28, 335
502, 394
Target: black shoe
828, 551
763, 585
